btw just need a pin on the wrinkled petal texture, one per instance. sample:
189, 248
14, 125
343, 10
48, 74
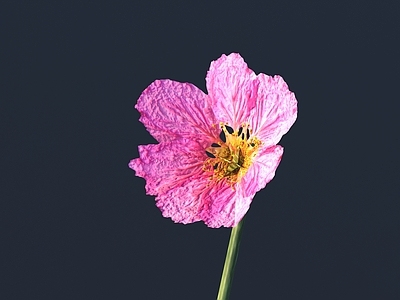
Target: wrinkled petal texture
263, 169
225, 206
171, 109
239, 96
173, 172
232, 89
182, 119
275, 110
184, 193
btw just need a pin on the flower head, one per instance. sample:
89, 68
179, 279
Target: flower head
215, 151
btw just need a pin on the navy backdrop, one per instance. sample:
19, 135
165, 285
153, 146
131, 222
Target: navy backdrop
76, 223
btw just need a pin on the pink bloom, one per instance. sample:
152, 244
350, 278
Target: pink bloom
196, 175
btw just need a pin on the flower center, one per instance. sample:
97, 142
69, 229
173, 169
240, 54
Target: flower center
232, 156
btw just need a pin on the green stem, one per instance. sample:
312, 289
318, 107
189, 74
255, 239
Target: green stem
230, 262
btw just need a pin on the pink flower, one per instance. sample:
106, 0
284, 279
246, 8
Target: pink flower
195, 174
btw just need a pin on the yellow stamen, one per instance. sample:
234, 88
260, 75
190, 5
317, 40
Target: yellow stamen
232, 158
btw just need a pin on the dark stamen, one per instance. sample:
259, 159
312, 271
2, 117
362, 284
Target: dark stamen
229, 129
215, 145
215, 166
248, 134
240, 130
222, 136
210, 155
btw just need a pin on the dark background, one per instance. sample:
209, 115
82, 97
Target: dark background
75, 221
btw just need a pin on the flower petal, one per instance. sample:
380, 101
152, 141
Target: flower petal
262, 170
275, 110
173, 172
163, 165
224, 206
232, 89
171, 109
183, 203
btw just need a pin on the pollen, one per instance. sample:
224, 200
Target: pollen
231, 156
